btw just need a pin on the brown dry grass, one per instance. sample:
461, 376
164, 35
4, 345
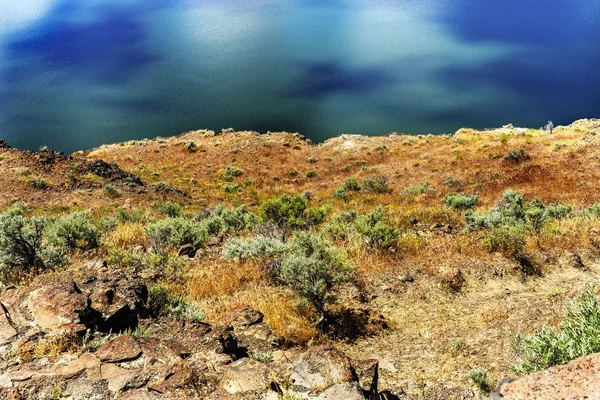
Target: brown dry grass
127, 235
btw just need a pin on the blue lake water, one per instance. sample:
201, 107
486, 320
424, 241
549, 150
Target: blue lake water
78, 73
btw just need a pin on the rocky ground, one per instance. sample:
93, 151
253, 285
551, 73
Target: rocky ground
57, 343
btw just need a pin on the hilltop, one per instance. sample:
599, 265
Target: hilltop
440, 248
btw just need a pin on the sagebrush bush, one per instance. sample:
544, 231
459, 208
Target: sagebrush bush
39, 183
191, 146
351, 184
286, 212
377, 185
176, 232
461, 202
312, 267
232, 171
122, 215
340, 194
258, 247
22, 244
579, 335
340, 226
417, 189
375, 229
506, 240
163, 301
75, 231
171, 209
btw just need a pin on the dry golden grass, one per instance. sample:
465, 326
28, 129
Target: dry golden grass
50, 347
126, 235
215, 277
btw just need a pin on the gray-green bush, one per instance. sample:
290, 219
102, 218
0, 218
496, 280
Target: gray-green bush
74, 231
257, 247
163, 301
176, 232
461, 201
376, 230
578, 336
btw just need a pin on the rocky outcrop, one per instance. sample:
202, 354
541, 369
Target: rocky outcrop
169, 358
579, 379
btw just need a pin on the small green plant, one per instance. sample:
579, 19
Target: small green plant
163, 301
417, 189
579, 335
340, 194
232, 171
111, 191
351, 184
311, 174
311, 159
461, 202
191, 146
231, 188
458, 346
375, 229
171, 209
263, 356
480, 378
39, 183
517, 156
508, 241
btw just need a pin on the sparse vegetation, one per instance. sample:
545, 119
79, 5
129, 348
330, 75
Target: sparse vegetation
480, 378
579, 335
111, 191
461, 202
39, 183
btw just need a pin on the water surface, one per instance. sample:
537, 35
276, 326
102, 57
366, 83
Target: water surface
78, 73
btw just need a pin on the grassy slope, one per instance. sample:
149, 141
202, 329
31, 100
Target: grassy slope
424, 318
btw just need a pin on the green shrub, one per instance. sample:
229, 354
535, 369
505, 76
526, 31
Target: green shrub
38, 183
506, 240
111, 191
286, 212
559, 211
579, 336
163, 301
258, 247
231, 188
171, 209
191, 146
461, 202
311, 159
75, 231
351, 184
232, 171
312, 268
124, 216
417, 189
311, 174
22, 245
480, 378
594, 210
176, 232
517, 156
377, 185
340, 194
375, 230
340, 227
107, 223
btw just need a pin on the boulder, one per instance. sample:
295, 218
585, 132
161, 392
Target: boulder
57, 304
253, 335
319, 368
117, 301
579, 379
247, 377
122, 348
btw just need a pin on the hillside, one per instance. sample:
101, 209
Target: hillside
438, 266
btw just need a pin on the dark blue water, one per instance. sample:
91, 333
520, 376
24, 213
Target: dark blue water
78, 73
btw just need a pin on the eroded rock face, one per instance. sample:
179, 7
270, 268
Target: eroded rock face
57, 304
180, 359
579, 379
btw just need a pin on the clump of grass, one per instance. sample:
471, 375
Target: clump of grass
311, 159
418, 189
458, 346
480, 378
39, 183
506, 240
232, 171
578, 336
111, 191
191, 146
517, 156
461, 202
163, 301
377, 185
171, 209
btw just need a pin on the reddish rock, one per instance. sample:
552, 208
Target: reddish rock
122, 348
579, 379
57, 304
7, 331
